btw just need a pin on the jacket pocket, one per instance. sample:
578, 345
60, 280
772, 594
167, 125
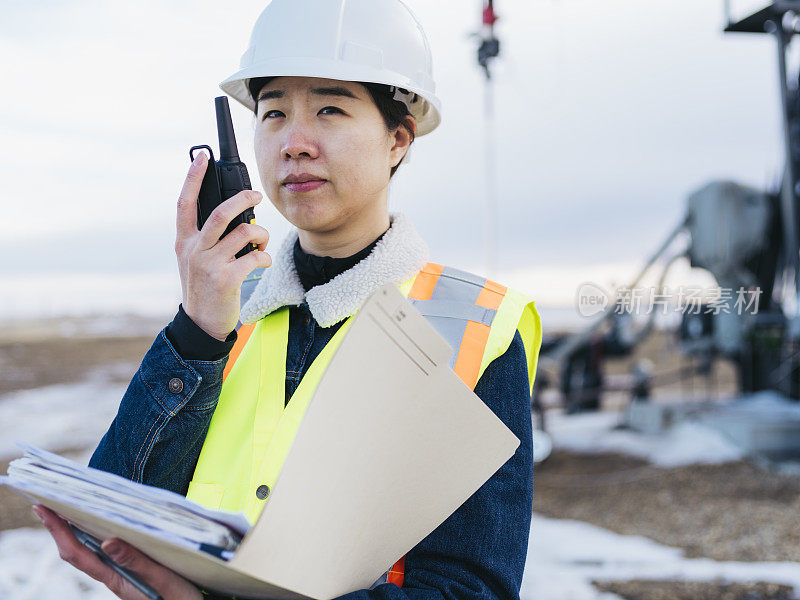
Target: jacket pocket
206, 494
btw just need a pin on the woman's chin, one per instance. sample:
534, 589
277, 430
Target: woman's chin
308, 217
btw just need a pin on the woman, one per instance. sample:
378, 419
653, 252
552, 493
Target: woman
333, 122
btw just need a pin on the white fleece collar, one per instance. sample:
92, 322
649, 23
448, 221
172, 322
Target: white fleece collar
397, 256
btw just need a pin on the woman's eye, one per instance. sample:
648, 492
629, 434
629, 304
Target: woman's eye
270, 113
331, 108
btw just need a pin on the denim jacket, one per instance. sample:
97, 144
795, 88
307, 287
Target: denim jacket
477, 553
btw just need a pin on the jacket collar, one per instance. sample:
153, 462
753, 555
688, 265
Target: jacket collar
397, 256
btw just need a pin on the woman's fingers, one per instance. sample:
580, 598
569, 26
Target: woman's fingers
167, 583
187, 200
220, 218
250, 261
244, 234
70, 549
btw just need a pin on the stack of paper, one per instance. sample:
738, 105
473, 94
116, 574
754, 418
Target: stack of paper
151, 510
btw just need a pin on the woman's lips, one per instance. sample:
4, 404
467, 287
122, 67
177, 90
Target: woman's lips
305, 186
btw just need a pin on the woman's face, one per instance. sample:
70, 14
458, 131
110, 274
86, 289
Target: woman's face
324, 152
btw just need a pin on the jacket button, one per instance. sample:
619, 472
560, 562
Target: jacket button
175, 385
262, 492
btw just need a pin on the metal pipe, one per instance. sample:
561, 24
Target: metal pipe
490, 220
575, 341
788, 197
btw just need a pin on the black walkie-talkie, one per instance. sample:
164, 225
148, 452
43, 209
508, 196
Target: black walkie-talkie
225, 177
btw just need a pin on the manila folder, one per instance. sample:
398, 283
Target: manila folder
392, 443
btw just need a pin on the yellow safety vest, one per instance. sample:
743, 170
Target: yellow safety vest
252, 428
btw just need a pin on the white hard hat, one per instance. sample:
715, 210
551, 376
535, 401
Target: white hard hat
375, 41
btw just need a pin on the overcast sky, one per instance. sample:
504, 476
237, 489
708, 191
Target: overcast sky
608, 114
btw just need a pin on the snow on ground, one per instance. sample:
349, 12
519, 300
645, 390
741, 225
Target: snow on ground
30, 569
59, 416
685, 443
564, 556
765, 403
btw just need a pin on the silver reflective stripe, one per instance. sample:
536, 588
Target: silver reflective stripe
455, 288
455, 310
463, 276
452, 305
248, 286
452, 330
250, 283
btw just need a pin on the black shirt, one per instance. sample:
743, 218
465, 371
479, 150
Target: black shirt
317, 270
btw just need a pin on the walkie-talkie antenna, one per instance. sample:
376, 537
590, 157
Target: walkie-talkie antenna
225, 177
227, 140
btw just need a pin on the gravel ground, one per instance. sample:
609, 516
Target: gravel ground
38, 363
733, 511
690, 590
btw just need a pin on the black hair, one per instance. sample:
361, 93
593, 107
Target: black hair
394, 112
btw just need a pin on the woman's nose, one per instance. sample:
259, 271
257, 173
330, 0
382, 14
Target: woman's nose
299, 142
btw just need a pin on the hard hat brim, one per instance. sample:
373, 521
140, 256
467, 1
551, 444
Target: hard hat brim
428, 116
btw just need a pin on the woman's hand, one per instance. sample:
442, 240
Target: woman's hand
168, 584
211, 275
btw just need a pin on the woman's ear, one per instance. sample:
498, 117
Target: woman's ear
403, 137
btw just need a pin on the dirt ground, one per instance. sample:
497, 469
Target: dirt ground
687, 590
733, 511
37, 363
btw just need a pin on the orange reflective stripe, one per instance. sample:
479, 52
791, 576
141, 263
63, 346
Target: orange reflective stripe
425, 282
470, 354
473, 344
491, 295
243, 335
397, 572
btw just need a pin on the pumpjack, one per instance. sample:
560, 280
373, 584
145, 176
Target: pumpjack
746, 238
